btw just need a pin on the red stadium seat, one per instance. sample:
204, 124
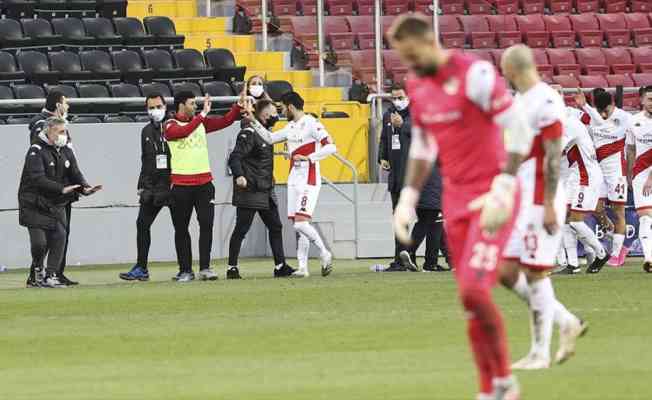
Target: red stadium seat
497, 55
506, 30
619, 80
451, 32
364, 65
641, 6
534, 30
560, 30
395, 7
482, 54
423, 6
642, 58
642, 79
338, 34
639, 25
592, 81
543, 65
615, 29
481, 7
477, 31
619, 60
564, 62
587, 6
592, 60
566, 81
587, 29
615, 6
506, 7
307, 7
284, 7
451, 7
532, 6
560, 6
362, 28
364, 7
339, 7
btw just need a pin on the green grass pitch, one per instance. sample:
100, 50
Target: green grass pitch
352, 335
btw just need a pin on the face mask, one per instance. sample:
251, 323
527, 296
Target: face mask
157, 114
256, 90
401, 104
61, 140
271, 121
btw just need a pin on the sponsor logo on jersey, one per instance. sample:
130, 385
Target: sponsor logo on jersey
451, 86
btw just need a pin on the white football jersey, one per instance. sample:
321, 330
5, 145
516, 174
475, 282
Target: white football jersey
610, 132
579, 152
641, 137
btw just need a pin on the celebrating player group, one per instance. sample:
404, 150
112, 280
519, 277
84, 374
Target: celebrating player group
520, 173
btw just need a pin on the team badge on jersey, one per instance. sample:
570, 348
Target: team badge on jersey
451, 86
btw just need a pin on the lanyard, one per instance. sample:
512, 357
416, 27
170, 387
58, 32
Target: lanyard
162, 141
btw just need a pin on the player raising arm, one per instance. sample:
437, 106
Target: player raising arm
460, 108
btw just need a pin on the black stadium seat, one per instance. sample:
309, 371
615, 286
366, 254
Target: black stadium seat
192, 61
128, 90
223, 64
14, 120
156, 87
11, 35
41, 32
28, 91
103, 32
112, 8
276, 89
49, 9
99, 62
162, 63
163, 29
82, 8
217, 88
7, 94
73, 32
36, 67
87, 90
69, 66
118, 119
19, 8
85, 119
133, 32
186, 87
9, 72
129, 63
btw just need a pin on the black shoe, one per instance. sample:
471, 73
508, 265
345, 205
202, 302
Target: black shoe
284, 271
406, 260
434, 268
35, 278
597, 265
568, 270
395, 267
233, 273
64, 280
647, 267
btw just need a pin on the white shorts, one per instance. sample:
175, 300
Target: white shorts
302, 199
614, 186
529, 243
583, 198
641, 201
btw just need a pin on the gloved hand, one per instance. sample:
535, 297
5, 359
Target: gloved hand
497, 205
405, 213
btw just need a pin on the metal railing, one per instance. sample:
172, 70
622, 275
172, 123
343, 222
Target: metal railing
114, 100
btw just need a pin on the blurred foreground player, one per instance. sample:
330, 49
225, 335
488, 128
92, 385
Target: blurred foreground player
530, 254
460, 107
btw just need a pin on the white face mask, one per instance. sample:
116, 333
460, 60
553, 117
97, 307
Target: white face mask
401, 104
256, 90
157, 115
61, 140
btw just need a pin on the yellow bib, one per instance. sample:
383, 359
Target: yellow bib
190, 154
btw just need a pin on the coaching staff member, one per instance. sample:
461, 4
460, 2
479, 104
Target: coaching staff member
153, 183
252, 164
191, 179
49, 181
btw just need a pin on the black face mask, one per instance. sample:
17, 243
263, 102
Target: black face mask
271, 121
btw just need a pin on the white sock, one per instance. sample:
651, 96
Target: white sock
570, 244
303, 247
562, 316
521, 288
617, 244
310, 232
588, 238
561, 255
542, 307
645, 236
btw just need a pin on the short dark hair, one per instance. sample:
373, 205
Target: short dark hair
410, 26
52, 99
644, 90
181, 98
261, 105
154, 95
292, 98
602, 100
397, 86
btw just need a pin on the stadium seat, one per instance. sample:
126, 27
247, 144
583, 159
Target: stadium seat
642, 6
133, 32
338, 34
284, 7
103, 32
6, 93
304, 30
112, 8
398, 7
162, 63
481, 54
507, 32
131, 66
362, 27
564, 62
29, 91
543, 64
187, 87
424, 6
69, 66
217, 88
99, 63
619, 60
11, 35
87, 90
127, 90
86, 119
52, 9
40, 31
36, 67
592, 81
18, 120
592, 61
364, 65
477, 31
587, 29
118, 119
85, 8
192, 61
9, 72
17, 9
534, 30
560, 6
613, 7
339, 7
73, 32
587, 6
560, 30
639, 25
155, 87
614, 28
532, 6
450, 7
566, 81
68, 90
619, 80
644, 79
451, 32
506, 7
642, 58
222, 62
276, 89
309, 7
162, 28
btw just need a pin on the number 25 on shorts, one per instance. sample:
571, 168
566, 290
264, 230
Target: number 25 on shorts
485, 256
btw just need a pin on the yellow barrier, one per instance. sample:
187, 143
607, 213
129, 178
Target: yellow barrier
319, 94
235, 43
196, 25
179, 8
261, 61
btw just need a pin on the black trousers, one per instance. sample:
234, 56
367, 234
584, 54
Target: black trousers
185, 200
271, 219
50, 242
62, 267
146, 217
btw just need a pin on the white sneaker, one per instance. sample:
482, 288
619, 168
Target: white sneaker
53, 281
506, 389
531, 362
568, 336
301, 273
326, 263
207, 274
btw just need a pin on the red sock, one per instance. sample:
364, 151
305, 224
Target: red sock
481, 354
